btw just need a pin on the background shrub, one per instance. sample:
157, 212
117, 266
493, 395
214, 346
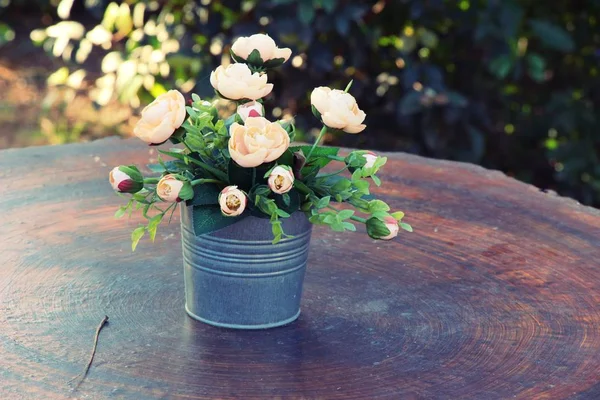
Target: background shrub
511, 85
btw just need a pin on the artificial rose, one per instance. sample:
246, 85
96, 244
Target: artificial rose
236, 82
161, 117
371, 158
251, 109
266, 47
168, 188
338, 109
126, 179
382, 229
281, 179
256, 142
232, 201
392, 225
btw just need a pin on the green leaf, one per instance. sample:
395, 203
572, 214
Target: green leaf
136, 235
282, 213
274, 62
378, 205
287, 158
254, 58
406, 227
121, 212
398, 215
153, 225
323, 202
376, 180
319, 157
349, 226
553, 36
209, 219
537, 67
345, 214
501, 66
186, 192
293, 204
156, 168
306, 12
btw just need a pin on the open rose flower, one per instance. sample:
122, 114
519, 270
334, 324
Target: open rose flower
169, 188
125, 179
371, 158
266, 47
232, 201
338, 109
236, 82
256, 142
281, 179
161, 118
250, 109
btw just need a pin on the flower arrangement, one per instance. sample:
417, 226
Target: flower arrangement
245, 164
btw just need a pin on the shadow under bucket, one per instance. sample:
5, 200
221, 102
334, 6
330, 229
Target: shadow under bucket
236, 278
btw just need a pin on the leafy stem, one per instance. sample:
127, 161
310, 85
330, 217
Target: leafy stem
332, 173
201, 181
316, 143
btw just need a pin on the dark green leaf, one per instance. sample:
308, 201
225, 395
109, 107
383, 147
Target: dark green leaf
186, 192
552, 36
306, 12
501, 66
254, 58
411, 103
319, 156
205, 194
209, 219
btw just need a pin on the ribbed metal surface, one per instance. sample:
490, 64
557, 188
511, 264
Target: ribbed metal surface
237, 278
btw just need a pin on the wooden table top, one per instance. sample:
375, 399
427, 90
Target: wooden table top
495, 295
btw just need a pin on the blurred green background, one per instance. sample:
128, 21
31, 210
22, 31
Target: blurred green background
510, 85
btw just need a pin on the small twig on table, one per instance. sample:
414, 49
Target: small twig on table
83, 374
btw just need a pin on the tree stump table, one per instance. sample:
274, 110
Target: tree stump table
495, 295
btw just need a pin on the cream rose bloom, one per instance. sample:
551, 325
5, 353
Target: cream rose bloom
161, 117
168, 189
236, 82
281, 180
232, 201
266, 46
256, 142
338, 109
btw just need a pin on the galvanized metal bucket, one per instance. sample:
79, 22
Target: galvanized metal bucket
236, 278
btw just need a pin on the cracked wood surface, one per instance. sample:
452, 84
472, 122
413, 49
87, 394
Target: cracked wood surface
495, 295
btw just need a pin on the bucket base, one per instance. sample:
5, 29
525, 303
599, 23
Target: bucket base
238, 326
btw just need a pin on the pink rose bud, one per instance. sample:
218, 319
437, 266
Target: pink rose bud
251, 109
126, 179
232, 201
371, 158
168, 189
281, 179
391, 223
